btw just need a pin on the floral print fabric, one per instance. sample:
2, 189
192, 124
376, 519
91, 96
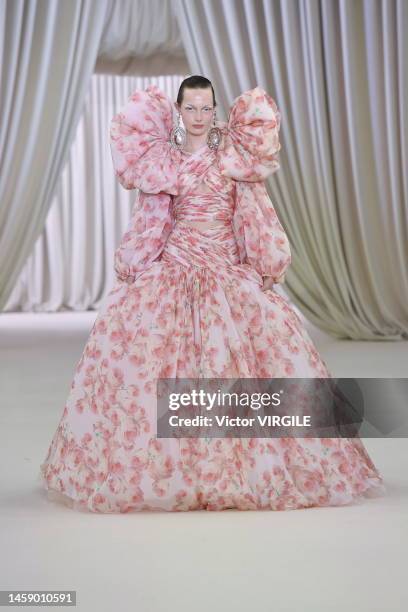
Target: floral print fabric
143, 158
188, 302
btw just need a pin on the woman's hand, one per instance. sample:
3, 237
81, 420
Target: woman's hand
122, 276
280, 279
270, 281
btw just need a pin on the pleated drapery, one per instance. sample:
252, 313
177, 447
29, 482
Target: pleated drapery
339, 74
49, 51
71, 266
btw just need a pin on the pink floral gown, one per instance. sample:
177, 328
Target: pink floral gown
188, 301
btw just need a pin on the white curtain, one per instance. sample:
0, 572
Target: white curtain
49, 50
338, 71
141, 38
71, 266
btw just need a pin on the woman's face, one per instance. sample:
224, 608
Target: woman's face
197, 110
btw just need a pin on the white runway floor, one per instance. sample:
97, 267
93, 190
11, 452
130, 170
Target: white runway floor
319, 559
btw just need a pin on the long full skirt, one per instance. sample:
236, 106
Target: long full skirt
191, 314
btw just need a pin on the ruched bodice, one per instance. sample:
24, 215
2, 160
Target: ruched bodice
203, 199
193, 243
204, 207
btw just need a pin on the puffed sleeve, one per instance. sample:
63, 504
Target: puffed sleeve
142, 155
145, 237
251, 138
248, 155
262, 241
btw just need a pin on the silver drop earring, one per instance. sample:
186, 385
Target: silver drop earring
214, 136
178, 135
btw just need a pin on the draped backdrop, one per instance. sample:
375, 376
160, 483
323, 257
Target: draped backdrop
71, 265
338, 71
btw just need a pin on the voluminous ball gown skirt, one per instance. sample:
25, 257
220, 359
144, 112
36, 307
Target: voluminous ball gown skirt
190, 315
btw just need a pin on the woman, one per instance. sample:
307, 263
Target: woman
203, 247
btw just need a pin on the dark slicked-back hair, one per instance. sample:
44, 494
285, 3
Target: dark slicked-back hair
195, 82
